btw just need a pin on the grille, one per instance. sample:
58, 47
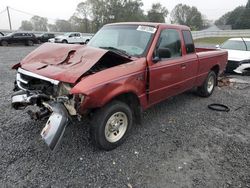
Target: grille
29, 83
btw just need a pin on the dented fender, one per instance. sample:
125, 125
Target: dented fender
103, 86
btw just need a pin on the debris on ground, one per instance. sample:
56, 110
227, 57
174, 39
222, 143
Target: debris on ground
223, 81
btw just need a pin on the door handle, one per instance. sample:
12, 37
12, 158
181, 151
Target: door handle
183, 66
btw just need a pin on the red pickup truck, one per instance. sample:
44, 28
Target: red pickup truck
123, 70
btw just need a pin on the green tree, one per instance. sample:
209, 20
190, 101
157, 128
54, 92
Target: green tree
52, 27
26, 25
157, 13
96, 13
244, 19
233, 18
82, 14
132, 11
223, 19
186, 15
63, 26
39, 23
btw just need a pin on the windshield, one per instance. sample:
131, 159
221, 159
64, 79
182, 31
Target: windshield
132, 39
10, 34
236, 45
66, 34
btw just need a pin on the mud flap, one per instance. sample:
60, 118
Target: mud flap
55, 126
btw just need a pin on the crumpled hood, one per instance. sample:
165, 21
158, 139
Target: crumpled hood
63, 62
237, 55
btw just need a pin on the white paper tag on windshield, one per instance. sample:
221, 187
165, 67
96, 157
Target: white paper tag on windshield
146, 29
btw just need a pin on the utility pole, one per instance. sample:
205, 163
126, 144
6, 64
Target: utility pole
9, 17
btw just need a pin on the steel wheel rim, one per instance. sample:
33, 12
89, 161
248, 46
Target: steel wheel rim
210, 84
116, 127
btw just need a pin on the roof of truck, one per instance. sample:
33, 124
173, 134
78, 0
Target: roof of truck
152, 24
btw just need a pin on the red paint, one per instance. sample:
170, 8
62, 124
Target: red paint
166, 78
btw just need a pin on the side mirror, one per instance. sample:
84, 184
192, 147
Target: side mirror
162, 53
217, 46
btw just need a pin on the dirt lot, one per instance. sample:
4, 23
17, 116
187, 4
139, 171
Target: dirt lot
181, 143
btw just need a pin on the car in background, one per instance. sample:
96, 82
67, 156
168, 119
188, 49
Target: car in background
72, 37
238, 54
45, 37
51, 40
25, 38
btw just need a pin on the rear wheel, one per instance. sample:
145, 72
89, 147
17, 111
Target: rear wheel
208, 86
65, 41
110, 125
4, 43
30, 43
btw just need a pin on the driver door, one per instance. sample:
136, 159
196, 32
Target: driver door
166, 77
71, 38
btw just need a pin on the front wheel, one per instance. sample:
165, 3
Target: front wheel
208, 86
4, 43
30, 43
110, 125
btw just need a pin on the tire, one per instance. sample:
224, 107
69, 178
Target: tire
86, 41
30, 43
65, 41
39, 41
105, 131
208, 86
4, 43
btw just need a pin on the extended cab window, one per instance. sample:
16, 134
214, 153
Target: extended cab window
169, 43
189, 43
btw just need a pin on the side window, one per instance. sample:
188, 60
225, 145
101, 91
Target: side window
189, 43
169, 43
18, 35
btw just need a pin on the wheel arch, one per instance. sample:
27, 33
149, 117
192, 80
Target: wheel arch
216, 69
132, 100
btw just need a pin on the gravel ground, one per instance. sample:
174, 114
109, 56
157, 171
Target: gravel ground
180, 143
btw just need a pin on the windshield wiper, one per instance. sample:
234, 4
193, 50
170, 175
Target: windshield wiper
116, 50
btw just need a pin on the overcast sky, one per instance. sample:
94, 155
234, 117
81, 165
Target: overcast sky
63, 9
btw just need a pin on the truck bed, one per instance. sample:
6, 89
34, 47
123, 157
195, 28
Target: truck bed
209, 57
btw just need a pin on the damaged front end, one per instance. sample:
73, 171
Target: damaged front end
243, 68
52, 99
47, 76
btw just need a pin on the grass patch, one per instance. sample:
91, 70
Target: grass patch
212, 40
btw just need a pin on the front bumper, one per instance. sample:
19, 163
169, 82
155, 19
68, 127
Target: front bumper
56, 124
50, 107
58, 116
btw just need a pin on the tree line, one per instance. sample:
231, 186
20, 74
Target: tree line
239, 18
91, 15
